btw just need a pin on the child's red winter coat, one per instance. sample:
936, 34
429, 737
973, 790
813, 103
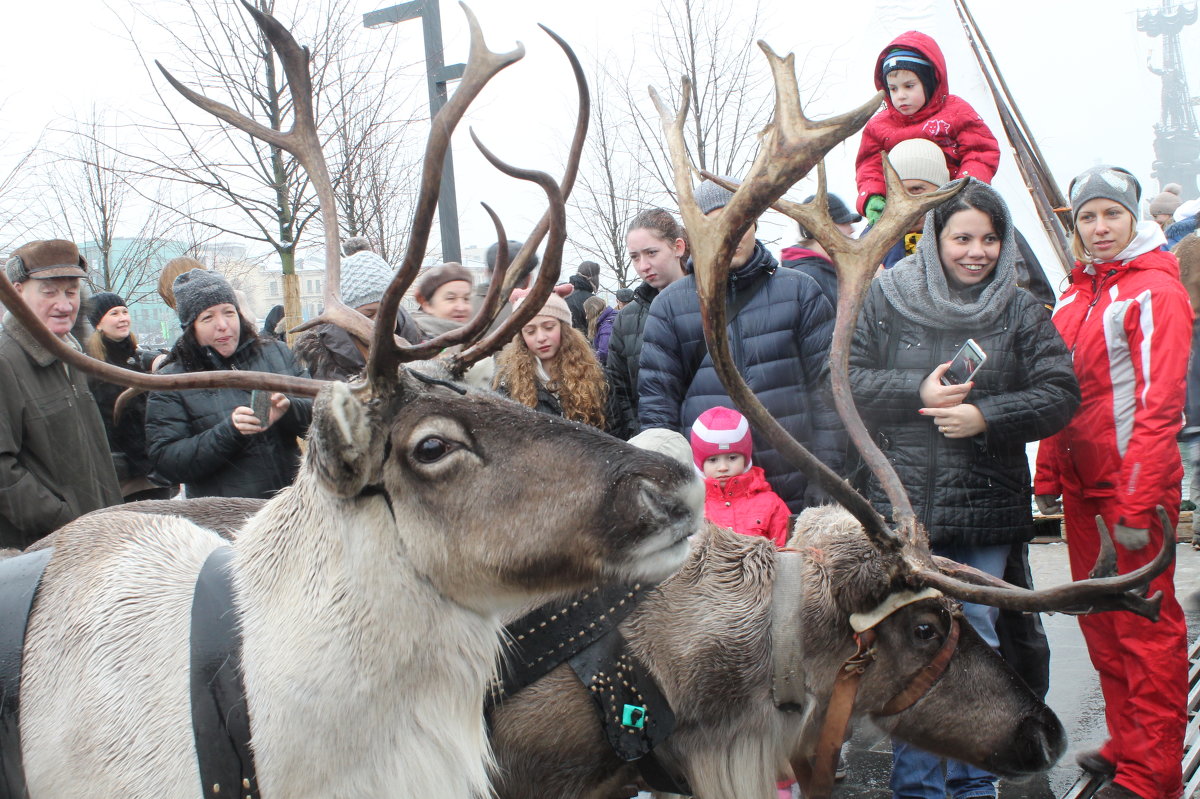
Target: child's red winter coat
946, 119
747, 505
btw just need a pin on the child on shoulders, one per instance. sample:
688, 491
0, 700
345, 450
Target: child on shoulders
736, 492
912, 72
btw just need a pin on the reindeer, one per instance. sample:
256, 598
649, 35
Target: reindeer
367, 595
763, 656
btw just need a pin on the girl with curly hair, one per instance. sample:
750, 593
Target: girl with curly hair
550, 367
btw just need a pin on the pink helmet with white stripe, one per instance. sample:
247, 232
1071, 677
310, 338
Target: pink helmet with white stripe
720, 431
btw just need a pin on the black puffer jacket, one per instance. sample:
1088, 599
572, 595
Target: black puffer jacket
780, 342
621, 368
191, 438
971, 491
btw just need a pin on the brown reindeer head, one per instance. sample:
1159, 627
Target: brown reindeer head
790, 146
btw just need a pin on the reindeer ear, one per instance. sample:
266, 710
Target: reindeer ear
342, 444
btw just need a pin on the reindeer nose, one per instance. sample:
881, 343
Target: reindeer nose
1039, 742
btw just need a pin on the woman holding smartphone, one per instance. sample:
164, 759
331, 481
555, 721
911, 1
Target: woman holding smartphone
960, 449
1128, 321
211, 440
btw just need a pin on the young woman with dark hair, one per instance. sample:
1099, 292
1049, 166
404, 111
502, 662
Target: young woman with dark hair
959, 449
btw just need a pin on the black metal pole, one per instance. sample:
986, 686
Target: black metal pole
437, 75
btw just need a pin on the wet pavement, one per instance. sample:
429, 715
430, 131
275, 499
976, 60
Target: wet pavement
1074, 689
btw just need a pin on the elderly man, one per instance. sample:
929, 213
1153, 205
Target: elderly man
55, 463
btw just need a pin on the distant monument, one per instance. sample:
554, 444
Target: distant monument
1176, 137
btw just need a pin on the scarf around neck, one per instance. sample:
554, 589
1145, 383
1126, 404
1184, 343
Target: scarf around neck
917, 287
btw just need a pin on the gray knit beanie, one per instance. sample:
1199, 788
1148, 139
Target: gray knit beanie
1107, 182
365, 277
196, 291
710, 196
514, 247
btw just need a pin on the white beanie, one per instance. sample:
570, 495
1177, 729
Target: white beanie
920, 159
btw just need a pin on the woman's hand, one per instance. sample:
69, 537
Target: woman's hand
935, 395
961, 421
246, 423
1049, 504
279, 406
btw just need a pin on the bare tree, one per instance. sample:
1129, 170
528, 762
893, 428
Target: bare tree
251, 189
19, 217
730, 92
87, 194
628, 167
614, 183
375, 169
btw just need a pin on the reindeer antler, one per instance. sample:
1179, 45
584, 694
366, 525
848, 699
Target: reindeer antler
304, 143
791, 146
552, 221
857, 260
1104, 590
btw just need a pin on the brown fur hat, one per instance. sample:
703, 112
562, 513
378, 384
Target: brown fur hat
433, 279
42, 260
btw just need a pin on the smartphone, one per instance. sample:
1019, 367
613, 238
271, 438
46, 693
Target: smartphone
260, 404
965, 364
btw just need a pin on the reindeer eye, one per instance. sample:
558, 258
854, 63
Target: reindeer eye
431, 449
925, 632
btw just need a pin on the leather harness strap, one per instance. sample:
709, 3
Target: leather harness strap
220, 717
634, 714
816, 774
20, 577
923, 680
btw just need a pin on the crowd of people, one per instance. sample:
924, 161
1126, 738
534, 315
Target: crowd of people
1100, 383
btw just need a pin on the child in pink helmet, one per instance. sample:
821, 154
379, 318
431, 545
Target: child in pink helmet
737, 494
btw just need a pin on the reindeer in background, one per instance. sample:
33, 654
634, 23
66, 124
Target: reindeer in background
764, 656
367, 594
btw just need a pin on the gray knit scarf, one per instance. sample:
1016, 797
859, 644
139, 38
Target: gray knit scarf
917, 288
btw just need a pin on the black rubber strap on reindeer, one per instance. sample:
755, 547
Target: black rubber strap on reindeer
554, 633
220, 720
633, 711
19, 580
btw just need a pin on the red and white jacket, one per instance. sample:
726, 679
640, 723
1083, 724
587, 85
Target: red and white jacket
946, 119
1128, 325
748, 506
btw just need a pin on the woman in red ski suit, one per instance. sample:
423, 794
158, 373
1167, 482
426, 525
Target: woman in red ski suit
946, 119
1127, 321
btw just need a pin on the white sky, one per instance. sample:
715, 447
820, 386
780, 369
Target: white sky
1077, 69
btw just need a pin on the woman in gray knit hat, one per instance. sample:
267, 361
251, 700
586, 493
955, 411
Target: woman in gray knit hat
212, 440
1128, 322
958, 441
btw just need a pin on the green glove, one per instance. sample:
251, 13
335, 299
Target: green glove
874, 208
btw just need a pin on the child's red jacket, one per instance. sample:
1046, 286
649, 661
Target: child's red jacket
947, 120
747, 505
